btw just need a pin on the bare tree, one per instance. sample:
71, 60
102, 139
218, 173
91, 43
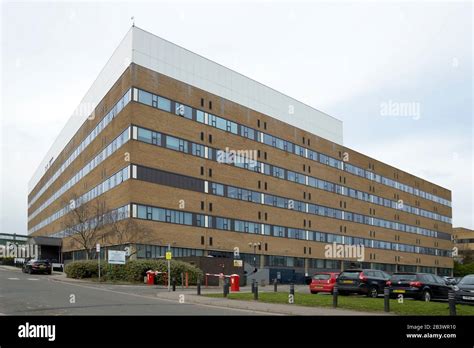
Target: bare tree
84, 223
126, 231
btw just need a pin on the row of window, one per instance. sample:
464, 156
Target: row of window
235, 128
147, 251
222, 223
114, 215
110, 183
256, 197
88, 139
155, 138
98, 159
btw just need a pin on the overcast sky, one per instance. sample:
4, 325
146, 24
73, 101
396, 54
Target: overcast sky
348, 59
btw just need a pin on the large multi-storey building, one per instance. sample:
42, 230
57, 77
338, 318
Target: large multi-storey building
463, 241
208, 160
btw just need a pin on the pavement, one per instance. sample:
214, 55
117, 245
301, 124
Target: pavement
24, 294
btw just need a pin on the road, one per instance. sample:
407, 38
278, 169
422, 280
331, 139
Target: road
38, 294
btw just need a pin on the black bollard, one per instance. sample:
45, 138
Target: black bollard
452, 302
275, 285
292, 289
226, 289
253, 285
335, 294
386, 299
199, 286
174, 284
255, 292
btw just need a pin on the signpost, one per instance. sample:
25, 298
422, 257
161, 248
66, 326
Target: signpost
116, 257
168, 258
238, 263
97, 249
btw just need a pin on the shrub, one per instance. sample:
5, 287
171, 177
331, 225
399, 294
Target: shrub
460, 270
7, 261
84, 269
133, 271
136, 270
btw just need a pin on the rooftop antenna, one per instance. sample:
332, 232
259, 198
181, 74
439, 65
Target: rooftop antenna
133, 21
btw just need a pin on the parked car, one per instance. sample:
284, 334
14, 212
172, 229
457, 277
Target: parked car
369, 282
37, 266
323, 282
420, 286
465, 290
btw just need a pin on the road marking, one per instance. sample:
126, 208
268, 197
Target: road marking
33, 279
13, 278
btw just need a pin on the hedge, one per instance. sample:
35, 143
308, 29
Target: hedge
460, 270
7, 261
132, 271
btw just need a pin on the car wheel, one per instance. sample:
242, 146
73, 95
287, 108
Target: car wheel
426, 296
342, 293
372, 292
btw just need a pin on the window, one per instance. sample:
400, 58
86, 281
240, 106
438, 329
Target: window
173, 143
217, 189
144, 135
164, 104
183, 110
200, 116
145, 97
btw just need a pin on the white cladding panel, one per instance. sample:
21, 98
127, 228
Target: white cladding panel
162, 56
169, 59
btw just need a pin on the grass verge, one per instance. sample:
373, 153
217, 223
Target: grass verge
358, 303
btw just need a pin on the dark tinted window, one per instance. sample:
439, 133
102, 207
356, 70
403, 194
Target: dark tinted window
350, 275
402, 277
321, 276
428, 278
169, 179
467, 280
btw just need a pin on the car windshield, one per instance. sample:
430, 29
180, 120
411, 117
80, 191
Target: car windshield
400, 277
321, 276
350, 275
467, 280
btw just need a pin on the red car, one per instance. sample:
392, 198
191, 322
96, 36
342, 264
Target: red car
323, 282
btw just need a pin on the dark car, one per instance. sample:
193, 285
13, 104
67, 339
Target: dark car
37, 266
368, 282
420, 286
465, 290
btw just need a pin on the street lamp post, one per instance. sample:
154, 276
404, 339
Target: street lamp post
254, 245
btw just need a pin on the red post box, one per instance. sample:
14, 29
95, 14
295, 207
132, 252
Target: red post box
150, 278
234, 282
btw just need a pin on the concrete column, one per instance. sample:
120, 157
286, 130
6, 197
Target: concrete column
306, 266
262, 261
